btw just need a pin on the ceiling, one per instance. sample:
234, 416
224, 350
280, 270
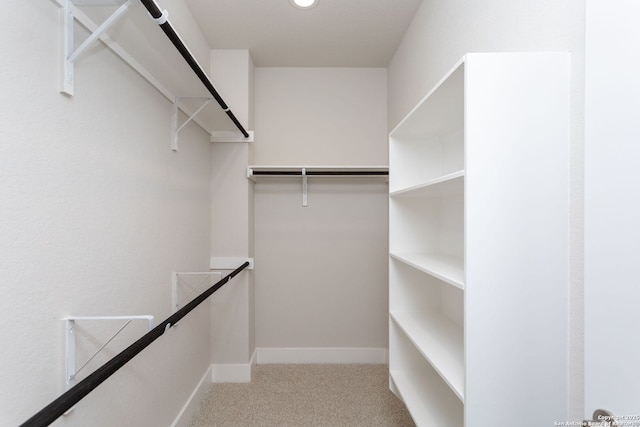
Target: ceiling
335, 33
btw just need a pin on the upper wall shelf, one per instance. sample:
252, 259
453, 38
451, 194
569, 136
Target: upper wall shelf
130, 32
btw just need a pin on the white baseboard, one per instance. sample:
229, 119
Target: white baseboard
242, 372
323, 355
232, 372
189, 408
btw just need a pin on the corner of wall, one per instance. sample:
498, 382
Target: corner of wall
191, 405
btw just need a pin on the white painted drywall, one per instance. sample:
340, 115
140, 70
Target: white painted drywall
321, 270
320, 116
232, 317
612, 235
231, 193
183, 21
232, 72
441, 33
96, 212
444, 30
321, 275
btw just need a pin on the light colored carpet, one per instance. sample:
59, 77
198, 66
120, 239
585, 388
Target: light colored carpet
305, 395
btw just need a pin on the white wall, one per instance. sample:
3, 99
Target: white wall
441, 33
95, 213
321, 270
321, 276
232, 318
320, 116
612, 234
444, 30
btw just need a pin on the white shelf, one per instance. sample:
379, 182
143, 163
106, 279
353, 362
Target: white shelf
138, 41
426, 400
440, 341
450, 184
447, 268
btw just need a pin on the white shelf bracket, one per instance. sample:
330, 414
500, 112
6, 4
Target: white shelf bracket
175, 129
70, 333
71, 55
187, 285
304, 187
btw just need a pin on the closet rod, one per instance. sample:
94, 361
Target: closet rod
322, 173
160, 17
67, 400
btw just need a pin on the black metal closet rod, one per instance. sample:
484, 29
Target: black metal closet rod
322, 173
161, 19
67, 400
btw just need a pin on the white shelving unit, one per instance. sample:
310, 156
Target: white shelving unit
478, 208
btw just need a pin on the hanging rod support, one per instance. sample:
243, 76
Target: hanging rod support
188, 289
71, 55
174, 123
162, 19
71, 370
67, 400
167, 28
304, 187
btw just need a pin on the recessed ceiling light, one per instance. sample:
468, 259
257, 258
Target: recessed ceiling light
304, 4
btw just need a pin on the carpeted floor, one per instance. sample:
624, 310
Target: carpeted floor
305, 395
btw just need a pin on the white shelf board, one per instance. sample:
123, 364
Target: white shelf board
447, 268
449, 184
440, 341
427, 406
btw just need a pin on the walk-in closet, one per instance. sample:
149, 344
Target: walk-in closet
319, 212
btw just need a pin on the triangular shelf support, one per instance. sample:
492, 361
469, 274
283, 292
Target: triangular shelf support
216, 136
71, 55
175, 129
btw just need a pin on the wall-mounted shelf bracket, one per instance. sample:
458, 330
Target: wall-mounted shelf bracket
187, 285
175, 129
71, 54
70, 333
